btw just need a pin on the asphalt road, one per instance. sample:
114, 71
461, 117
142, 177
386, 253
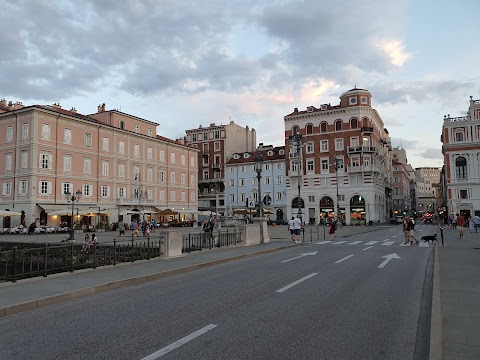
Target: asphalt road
342, 301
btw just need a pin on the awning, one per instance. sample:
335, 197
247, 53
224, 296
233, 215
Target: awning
51, 207
187, 211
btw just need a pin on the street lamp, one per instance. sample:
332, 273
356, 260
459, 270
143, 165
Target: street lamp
336, 164
296, 143
72, 198
258, 169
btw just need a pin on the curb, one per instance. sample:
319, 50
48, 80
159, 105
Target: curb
77, 294
436, 336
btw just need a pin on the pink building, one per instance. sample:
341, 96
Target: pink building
115, 160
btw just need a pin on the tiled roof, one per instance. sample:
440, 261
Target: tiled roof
264, 153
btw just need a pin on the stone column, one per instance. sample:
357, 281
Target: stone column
173, 243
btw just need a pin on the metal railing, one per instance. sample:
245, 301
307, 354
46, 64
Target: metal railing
22, 262
209, 240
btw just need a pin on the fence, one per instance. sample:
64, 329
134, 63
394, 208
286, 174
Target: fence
20, 262
208, 240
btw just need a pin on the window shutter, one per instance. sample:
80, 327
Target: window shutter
62, 187
19, 189
49, 188
39, 187
4, 189
90, 190
108, 191
40, 161
50, 162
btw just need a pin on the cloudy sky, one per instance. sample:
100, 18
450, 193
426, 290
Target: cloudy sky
186, 63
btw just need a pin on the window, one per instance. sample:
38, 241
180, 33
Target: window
149, 132
242, 182
194, 137
354, 142
67, 163
205, 136
459, 135
353, 123
136, 150
243, 197
311, 198
355, 161
279, 196
172, 158
340, 163
149, 174
121, 192
149, 153
309, 129
254, 181
105, 168
182, 159
7, 189
267, 167
396, 180
136, 128
183, 196
325, 165
279, 166
182, 178
67, 136
8, 162
162, 155
105, 191
231, 198
242, 168
67, 188
338, 125
45, 131
461, 168
205, 174
172, 178
338, 144
192, 161
216, 146
310, 167
279, 179
172, 195
324, 145
87, 190
9, 133
323, 127
231, 183
309, 149
121, 170
122, 124
192, 179
88, 140
162, 176
121, 147
87, 166
23, 187
24, 159
364, 99
25, 131
105, 144
162, 194
45, 161
267, 180
217, 134
149, 194
45, 187
366, 160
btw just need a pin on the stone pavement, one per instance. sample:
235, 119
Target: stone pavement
459, 282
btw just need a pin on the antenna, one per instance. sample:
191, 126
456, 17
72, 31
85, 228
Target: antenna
355, 82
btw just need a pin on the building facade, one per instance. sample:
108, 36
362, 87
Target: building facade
115, 160
427, 183
216, 145
242, 184
338, 161
461, 150
402, 201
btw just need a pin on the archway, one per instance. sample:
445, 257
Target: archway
298, 203
326, 208
43, 218
357, 210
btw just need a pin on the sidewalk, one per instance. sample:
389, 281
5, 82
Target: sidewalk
459, 281
36, 292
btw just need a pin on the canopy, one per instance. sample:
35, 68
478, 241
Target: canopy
267, 212
207, 213
9, 213
94, 212
167, 212
244, 211
64, 212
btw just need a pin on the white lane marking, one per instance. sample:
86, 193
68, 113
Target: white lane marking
367, 248
387, 259
345, 258
355, 242
338, 242
296, 282
386, 239
403, 244
388, 242
179, 343
323, 242
300, 256
371, 243
394, 236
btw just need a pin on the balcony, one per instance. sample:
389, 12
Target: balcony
204, 154
216, 167
362, 149
363, 168
209, 181
366, 129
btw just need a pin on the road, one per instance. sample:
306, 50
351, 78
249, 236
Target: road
340, 300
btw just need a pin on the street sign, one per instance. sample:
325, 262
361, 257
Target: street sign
251, 204
267, 200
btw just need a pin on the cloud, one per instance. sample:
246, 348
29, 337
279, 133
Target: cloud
395, 50
432, 153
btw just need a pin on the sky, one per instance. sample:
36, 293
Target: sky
188, 63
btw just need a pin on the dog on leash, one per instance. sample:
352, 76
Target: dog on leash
432, 238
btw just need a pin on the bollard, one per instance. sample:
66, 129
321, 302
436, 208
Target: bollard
441, 234
71, 257
311, 236
14, 279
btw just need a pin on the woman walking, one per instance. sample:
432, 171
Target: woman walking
331, 230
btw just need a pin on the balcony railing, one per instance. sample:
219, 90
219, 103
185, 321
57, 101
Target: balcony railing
366, 129
360, 149
363, 168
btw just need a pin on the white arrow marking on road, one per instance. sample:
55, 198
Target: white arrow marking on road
179, 343
387, 259
301, 256
296, 282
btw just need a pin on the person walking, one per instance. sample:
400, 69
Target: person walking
331, 230
454, 221
121, 229
406, 231
291, 228
297, 224
471, 224
476, 222
411, 226
460, 225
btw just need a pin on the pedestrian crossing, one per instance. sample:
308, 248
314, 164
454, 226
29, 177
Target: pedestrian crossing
386, 242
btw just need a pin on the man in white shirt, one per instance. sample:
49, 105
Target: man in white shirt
476, 222
297, 226
291, 228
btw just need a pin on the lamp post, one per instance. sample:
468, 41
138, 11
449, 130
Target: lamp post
258, 169
296, 143
72, 198
336, 164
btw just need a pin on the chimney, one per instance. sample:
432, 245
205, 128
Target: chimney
18, 105
181, 141
10, 105
73, 110
99, 108
57, 105
3, 102
103, 107
295, 110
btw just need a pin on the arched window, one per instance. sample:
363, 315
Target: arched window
309, 129
338, 125
353, 123
461, 168
295, 130
365, 122
323, 127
